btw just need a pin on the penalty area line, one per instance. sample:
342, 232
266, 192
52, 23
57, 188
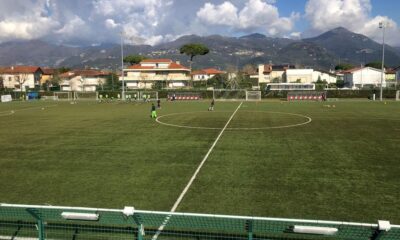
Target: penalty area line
183, 193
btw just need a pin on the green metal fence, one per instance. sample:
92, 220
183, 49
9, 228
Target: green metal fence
48, 222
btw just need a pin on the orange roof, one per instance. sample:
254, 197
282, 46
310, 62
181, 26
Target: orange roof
48, 71
208, 71
161, 60
20, 69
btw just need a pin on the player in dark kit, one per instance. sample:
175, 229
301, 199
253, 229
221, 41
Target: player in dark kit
153, 111
211, 108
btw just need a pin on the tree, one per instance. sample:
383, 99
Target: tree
63, 70
340, 83
21, 79
112, 81
377, 65
344, 66
134, 59
194, 49
249, 69
218, 81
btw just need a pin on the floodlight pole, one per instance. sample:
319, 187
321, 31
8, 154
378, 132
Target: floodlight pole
383, 26
122, 66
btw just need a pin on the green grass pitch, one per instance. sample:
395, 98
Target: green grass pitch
343, 165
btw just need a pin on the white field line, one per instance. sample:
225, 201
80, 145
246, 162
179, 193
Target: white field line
183, 193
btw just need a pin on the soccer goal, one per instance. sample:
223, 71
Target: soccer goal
132, 95
62, 96
253, 95
148, 95
398, 95
229, 95
86, 96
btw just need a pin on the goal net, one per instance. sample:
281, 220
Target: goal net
253, 95
132, 95
86, 96
148, 95
226, 94
62, 96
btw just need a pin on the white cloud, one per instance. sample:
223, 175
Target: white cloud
73, 27
110, 23
255, 15
25, 20
354, 15
224, 14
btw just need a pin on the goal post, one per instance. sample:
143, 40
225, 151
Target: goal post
398, 95
62, 96
86, 96
229, 95
253, 95
148, 95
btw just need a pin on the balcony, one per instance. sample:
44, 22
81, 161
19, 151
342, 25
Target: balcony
157, 78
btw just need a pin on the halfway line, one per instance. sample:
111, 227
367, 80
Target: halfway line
179, 200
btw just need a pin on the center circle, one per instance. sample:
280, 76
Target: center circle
243, 120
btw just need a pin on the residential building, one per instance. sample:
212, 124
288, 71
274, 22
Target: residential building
322, 75
48, 74
150, 71
299, 76
390, 74
21, 78
205, 74
87, 80
268, 73
363, 77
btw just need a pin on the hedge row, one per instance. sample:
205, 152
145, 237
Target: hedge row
208, 94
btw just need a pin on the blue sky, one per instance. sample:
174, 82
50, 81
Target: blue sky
78, 22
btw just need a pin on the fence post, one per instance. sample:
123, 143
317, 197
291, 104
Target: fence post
140, 232
41, 229
40, 224
249, 229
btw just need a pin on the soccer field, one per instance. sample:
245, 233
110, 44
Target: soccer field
275, 159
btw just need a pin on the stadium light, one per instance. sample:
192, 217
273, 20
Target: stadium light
122, 65
80, 216
383, 26
315, 230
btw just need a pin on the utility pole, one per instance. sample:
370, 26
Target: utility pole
122, 66
382, 25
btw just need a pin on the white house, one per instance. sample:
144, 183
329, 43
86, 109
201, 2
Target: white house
21, 78
364, 76
324, 76
82, 80
299, 75
268, 73
150, 71
205, 74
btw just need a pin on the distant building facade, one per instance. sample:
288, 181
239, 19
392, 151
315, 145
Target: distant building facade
48, 74
21, 78
150, 71
299, 76
205, 74
82, 80
324, 76
269, 73
364, 77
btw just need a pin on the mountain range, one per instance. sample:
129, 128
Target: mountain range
324, 51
